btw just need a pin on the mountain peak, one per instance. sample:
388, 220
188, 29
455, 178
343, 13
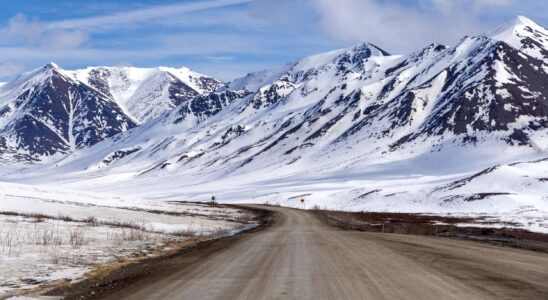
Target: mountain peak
522, 34
518, 26
51, 65
375, 51
522, 20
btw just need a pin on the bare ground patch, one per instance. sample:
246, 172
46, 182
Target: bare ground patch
477, 228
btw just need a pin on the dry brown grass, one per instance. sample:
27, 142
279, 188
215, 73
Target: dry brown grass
422, 224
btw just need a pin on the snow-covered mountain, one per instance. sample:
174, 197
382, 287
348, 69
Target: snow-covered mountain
336, 108
46, 112
52, 111
354, 128
145, 93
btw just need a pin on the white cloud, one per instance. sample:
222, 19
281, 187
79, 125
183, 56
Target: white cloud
213, 47
227, 71
34, 33
9, 69
480, 3
396, 27
450, 6
222, 67
219, 58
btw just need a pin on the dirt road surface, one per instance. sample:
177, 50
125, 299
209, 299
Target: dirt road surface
299, 257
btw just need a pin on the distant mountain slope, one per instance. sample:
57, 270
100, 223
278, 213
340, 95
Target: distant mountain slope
146, 93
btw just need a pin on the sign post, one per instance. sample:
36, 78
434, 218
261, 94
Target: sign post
302, 201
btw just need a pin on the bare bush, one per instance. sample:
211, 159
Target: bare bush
114, 237
188, 232
133, 234
77, 237
10, 242
130, 232
244, 217
54, 253
92, 221
38, 219
218, 232
185, 233
65, 218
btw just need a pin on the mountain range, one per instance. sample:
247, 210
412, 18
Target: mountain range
443, 110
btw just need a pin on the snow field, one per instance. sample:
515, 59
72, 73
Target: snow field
48, 234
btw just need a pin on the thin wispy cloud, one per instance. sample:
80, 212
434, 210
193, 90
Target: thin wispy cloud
398, 27
141, 15
450, 6
73, 33
10, 68
33, 33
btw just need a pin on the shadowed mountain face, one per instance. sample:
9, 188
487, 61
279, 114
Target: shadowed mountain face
52, 113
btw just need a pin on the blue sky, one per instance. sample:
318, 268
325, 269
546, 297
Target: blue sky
229, 38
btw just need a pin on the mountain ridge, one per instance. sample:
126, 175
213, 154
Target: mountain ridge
362, 95
384, 103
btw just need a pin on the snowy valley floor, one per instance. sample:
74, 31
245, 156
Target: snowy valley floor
512, 192
61, 224
51, 235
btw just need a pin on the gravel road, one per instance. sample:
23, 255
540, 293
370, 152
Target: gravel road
299, 257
